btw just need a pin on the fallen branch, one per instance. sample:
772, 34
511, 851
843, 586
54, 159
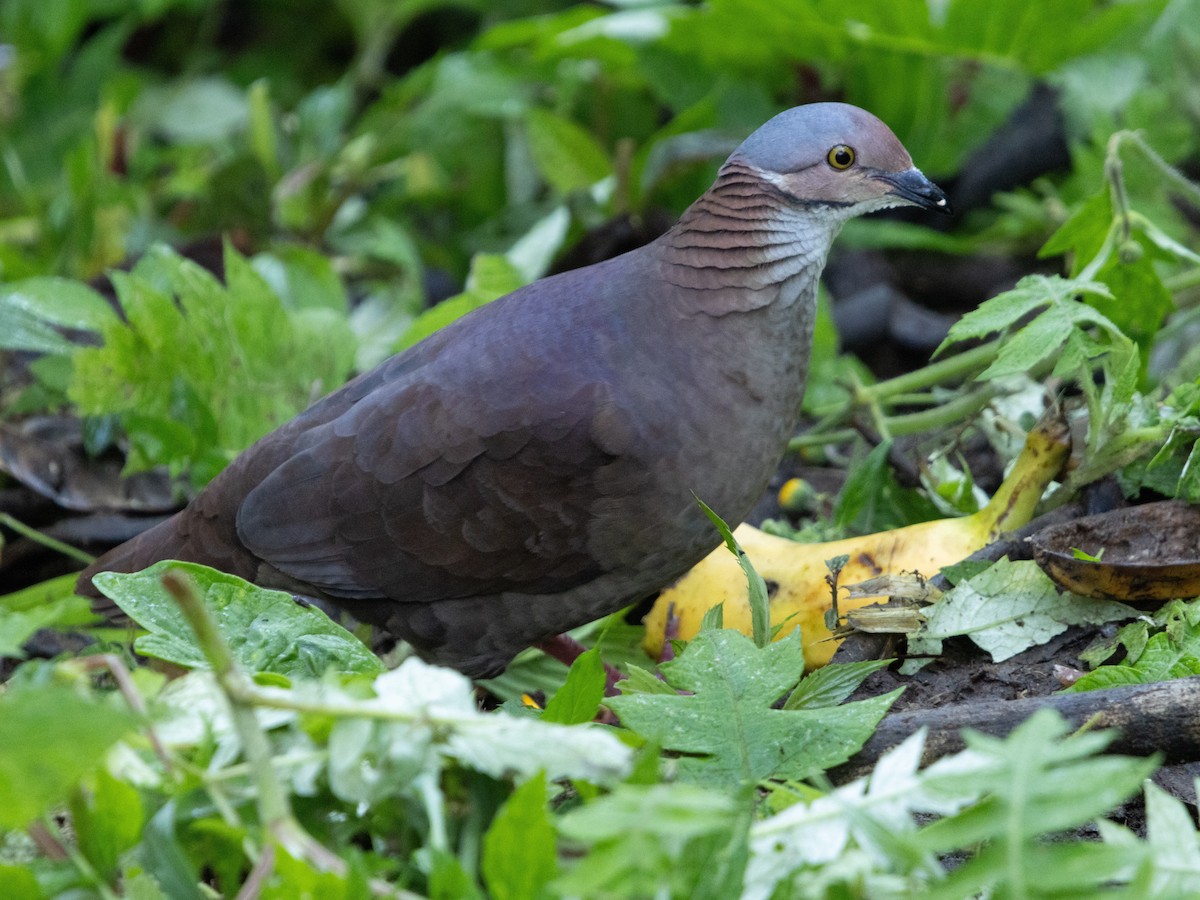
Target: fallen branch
1163, 717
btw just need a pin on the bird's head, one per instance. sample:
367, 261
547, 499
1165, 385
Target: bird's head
837, 157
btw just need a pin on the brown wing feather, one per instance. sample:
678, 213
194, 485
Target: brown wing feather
439, 482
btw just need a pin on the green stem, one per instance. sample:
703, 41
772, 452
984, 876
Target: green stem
953, 368
948, 413
45, 540
274, 807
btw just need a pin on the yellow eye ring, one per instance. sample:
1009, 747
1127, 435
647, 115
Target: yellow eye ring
841, 157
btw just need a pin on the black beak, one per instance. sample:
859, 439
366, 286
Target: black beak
916, 189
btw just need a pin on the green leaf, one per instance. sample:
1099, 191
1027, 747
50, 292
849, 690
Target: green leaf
1008, 608
726, 728
166, 860
59, 301
832, 684
108, 817
303, 278
1036, 783
519, 857
639, 681
49, 604
267, 630
566, 155
1171, 841
200, 371
448, 880
1083, 233
51, 737
872, 500
1173, 652
579, 698
1140, 301
760, 604
20, 883
664, 840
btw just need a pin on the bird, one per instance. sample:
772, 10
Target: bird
535, 464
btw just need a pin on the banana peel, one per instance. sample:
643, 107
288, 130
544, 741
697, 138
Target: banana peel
795, 573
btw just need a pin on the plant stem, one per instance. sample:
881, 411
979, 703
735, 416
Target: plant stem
911, 423
274, 807
45, 540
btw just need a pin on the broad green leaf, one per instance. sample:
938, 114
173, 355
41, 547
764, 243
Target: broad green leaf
51, 737
267, 630
567, 156
1140, 301
21, 330
519, 854
59, 301
726, 728
579, 698
20, 883
1171, 841
448, 880
108, 816
17, 627
294, 877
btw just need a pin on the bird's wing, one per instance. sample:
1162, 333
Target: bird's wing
437, 481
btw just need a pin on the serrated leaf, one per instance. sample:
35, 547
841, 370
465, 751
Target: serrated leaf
267, 630
199, 371
1172, 843
497, 744
832, 684
644, 840
519, 857
726, 729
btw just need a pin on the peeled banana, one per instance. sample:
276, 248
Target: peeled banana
795, 573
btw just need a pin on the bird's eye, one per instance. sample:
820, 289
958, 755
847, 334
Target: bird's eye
841, 157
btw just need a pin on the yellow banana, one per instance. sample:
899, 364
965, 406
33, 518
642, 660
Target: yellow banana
795, 573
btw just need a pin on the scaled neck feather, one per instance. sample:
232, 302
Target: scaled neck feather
744, 245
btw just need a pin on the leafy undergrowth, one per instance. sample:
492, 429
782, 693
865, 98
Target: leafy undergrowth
285, 756
341, 189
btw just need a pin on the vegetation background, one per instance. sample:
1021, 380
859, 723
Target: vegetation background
273, 195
